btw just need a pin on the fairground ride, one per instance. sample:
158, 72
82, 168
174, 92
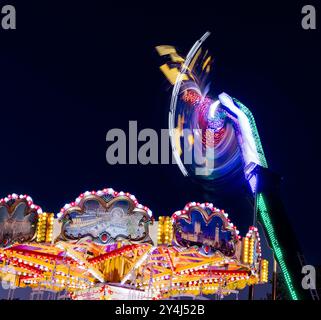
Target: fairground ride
221, 134
105, 245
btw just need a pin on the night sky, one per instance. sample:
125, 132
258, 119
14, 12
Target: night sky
70, 72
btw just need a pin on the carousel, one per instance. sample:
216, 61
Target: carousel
107, 246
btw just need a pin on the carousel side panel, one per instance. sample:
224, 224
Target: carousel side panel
105, 217
18, 219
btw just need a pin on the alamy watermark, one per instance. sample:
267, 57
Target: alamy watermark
309, 21
195, 146
309, 280
8, 17
8, 278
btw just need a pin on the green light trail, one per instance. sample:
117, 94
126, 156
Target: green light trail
264, 214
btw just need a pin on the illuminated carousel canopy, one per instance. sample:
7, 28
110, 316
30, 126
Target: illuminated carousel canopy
104, 249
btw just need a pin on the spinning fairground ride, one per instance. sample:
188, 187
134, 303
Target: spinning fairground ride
105, 245
216, 143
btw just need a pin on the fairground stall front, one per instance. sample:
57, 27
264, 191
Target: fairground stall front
105, 245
